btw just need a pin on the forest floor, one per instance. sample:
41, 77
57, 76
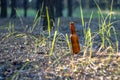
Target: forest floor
25, 55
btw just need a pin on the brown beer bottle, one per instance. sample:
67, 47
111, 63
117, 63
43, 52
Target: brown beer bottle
74, 39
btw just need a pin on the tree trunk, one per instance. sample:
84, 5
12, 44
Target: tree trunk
25, 4
13, 7
92, 4
115, 4
50, 5
69, 8
87, 4
3, 8
38, 6
58, 8
102, 4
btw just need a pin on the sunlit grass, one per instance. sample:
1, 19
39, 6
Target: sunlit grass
105, 30
36, 20
53, 44
48, 22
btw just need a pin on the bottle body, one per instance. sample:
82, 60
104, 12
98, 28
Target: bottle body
75, 43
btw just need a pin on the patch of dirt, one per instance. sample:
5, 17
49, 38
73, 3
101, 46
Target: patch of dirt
25, 56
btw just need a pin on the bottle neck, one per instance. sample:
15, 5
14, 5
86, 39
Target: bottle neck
72, 28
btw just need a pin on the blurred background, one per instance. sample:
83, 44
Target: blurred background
56, 8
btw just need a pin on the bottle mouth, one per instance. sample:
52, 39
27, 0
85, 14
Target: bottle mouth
72, 28
71, 23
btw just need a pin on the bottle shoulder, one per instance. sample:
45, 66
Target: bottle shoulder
74, 36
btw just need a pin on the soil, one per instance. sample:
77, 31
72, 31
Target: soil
26, 56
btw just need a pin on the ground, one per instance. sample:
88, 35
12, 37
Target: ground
26, 56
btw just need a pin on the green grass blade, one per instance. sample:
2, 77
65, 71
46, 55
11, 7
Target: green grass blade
48, 19
36, 20
11, 28
91, 16
111, 8
58, 24
53, 43
115, 34
7, 36
68, 42
82, 16
99, 10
